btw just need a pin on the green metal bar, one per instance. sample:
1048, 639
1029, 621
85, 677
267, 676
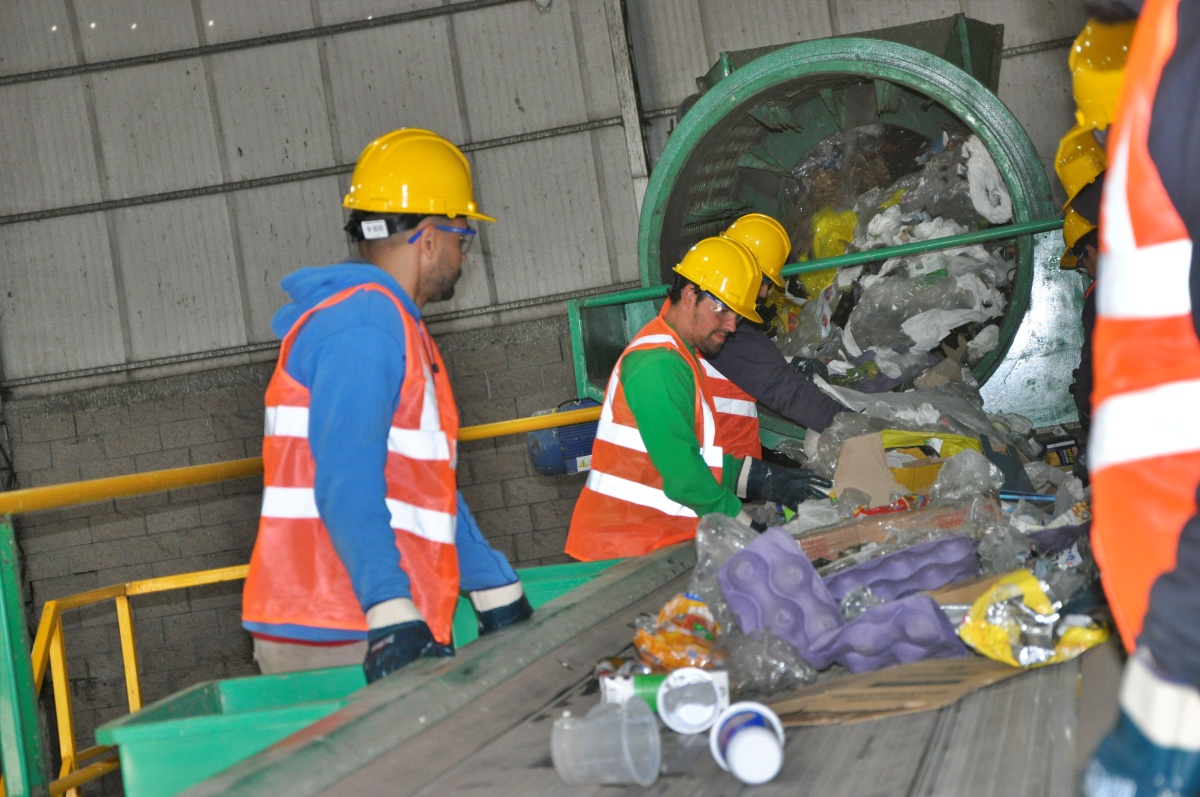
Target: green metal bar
20, 737
917, 247
625, 297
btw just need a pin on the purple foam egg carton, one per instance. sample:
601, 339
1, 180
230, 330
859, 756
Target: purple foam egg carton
926, 566
909, 629
771, 584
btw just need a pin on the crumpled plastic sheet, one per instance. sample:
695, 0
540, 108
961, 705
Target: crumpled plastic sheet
955, 407
857, 601
988, 192
1046, 478
965, 475
761, 663
918, 312
818, 514
718, 538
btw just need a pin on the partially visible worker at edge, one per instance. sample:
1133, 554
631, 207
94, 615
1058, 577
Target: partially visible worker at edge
749, 368
656, 463
364, 540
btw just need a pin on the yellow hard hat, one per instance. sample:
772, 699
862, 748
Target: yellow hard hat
1079, 161
726, 269
1074, 228
767, 241
413, 171
1097, 64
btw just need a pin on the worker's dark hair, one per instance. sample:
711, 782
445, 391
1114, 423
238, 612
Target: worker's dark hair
678, 283
392, 223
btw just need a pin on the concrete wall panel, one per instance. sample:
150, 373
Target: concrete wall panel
551, 239
272, 110
35, 36
734, 25
46, 167
335, 11
156, 128
520, 69
110, 29
1030, 23
58, 280
669, 49
177, 263
283, 228
854, 16
398, 76
223, 21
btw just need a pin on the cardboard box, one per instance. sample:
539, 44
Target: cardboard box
861, 465
904, 689
919, 476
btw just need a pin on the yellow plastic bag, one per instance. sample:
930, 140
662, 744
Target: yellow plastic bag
683, 635
832, 233
1006, 622
947, 445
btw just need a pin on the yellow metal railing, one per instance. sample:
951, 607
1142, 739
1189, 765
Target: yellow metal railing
48, 645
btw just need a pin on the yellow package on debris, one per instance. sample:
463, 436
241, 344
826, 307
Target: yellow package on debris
946, 445
832, 233
1015, 622
683, 635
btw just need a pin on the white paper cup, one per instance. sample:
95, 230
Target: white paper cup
690, 699
747, 741
612, 744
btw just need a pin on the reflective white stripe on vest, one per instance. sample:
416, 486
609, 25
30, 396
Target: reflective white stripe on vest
635, 493
419, 444
1130, 270
1145, 424
286, 421
712, 371
620, 435
736, 407
289, 502
648, 340
1151, 282
427, 523
301, 503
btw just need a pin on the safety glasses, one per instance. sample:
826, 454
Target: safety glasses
466, 236
719, 307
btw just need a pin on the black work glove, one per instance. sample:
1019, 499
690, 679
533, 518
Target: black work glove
504, 616
763, 481
391, 647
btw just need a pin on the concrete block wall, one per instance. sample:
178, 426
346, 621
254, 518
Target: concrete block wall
192, 635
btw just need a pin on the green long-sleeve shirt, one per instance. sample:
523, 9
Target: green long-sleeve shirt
661, 393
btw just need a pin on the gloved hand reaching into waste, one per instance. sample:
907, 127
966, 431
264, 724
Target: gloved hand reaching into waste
764, 481
392, 646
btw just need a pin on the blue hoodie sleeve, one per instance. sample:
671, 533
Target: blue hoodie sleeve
351, 356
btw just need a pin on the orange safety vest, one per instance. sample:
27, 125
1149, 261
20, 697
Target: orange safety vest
737, 415
623, 510
295, 575
1145, 442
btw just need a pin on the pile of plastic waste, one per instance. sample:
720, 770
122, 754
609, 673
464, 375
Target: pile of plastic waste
876, 327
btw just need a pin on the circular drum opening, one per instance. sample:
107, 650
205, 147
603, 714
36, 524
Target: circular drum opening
857, 144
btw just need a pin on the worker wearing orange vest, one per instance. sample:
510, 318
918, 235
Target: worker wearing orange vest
749, 368
656, 463
364, 540
1145, 449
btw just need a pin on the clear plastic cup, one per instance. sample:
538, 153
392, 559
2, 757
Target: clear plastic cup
612, 744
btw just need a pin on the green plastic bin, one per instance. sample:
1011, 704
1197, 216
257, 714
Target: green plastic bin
194, 734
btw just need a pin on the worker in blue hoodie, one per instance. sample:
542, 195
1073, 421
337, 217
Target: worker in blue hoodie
364, 540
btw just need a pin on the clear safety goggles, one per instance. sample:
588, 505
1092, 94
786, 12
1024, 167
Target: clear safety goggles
466, 235
719, 307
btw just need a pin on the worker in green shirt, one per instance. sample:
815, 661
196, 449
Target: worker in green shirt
656, 467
